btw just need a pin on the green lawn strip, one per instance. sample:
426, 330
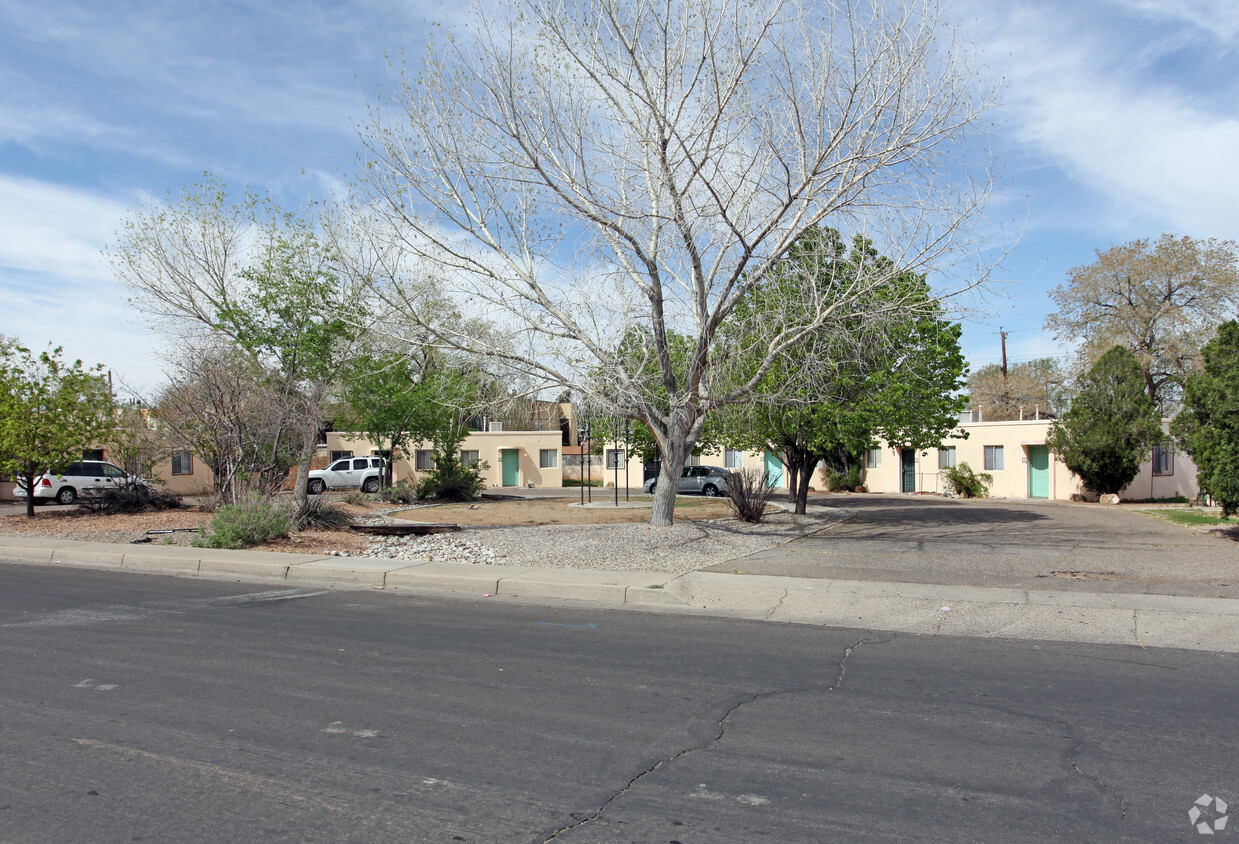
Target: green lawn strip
1193, 518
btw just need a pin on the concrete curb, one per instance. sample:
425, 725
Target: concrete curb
1199, 623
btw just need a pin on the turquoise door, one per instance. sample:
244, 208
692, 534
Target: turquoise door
1038, 471
774, 469
509, 459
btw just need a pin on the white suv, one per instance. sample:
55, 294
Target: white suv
88, 477
348, 473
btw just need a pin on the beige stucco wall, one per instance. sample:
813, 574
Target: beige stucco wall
1012, 480
488, 445
713, 457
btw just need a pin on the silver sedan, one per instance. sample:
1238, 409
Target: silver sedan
707, 480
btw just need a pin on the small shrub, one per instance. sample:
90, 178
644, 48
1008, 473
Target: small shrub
844, 481
748, 494
317, 514
451, 480
400, 493
357, 498
965, 483
250, 522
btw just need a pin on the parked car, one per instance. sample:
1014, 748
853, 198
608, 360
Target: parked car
88, 477
707, 480
362, 473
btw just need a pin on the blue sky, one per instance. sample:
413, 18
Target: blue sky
1118, 119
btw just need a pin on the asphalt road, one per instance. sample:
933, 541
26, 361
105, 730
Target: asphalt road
140, 708
926, 539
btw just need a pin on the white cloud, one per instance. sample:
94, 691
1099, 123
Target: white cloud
1219, 18
1158, 156
56, 286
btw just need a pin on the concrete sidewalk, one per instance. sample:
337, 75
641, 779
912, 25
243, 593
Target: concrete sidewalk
931, 609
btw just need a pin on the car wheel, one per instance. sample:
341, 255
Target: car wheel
67, 495
370, 485
652, 488
710, 490
315, 486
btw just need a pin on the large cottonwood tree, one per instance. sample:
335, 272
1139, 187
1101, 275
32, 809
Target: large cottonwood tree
575, 170
1161, 299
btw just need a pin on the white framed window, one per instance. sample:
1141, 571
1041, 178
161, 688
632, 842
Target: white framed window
468, 458
993, 458
946, 457
425, 460
1163, 461
548, 458
733, 458
615, 458
182, 463
873, 458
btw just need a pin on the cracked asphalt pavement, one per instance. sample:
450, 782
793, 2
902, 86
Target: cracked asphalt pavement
148, 708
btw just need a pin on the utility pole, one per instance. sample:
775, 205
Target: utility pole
1005, 396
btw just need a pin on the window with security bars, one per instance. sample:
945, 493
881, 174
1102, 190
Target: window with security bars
1163, 461
182, 463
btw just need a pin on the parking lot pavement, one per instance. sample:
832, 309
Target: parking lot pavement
1039, 545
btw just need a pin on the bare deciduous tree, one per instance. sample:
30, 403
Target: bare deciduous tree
1161, 299
228, 411
207, 266
572, 171
1032, 388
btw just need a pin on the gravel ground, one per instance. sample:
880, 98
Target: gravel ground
625, 547
685, 546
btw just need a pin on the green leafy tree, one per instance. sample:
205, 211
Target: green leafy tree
892, 371
293, 318
1208, 427
1111, 425
49, 411
395, 400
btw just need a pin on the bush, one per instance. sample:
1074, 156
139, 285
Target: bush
134, 498
748, 493
317, 514
250, 522
400, 493
965, 483
844, 481
451, 480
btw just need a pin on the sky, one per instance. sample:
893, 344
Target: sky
1115, 120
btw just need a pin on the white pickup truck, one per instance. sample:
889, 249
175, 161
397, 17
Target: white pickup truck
362, 473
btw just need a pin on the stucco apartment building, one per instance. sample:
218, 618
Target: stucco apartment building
1022, 465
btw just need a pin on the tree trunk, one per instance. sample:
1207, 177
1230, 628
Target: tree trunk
793, 475
31, 477
662, 512
675, 449
308, 439
807, 462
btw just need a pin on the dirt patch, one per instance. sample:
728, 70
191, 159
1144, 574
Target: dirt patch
558, 511
73, 523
